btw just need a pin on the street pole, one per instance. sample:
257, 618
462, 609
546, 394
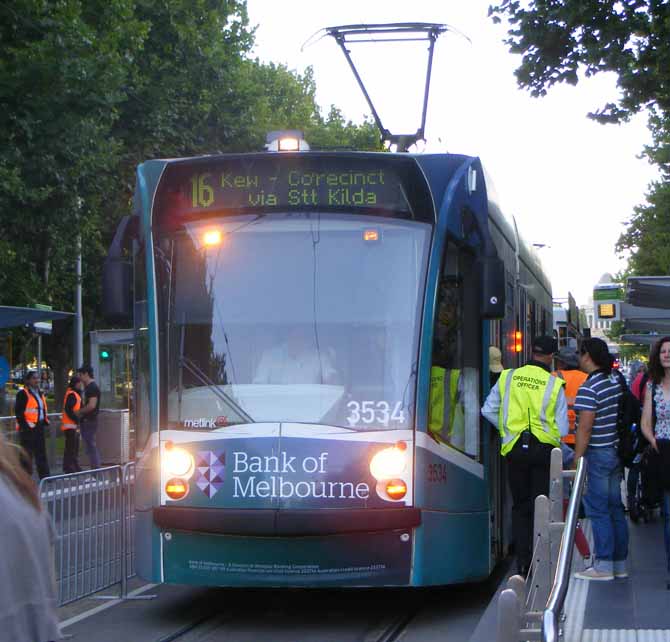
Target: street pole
78, 319
39, 358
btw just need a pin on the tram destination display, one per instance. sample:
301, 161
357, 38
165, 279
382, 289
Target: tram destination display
277, 182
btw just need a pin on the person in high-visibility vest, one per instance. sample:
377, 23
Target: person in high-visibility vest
446, 409
567, 368
70, 425
31, 418
529, 408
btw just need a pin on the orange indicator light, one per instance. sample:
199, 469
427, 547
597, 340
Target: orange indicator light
518, 341
396, 489
370, 235
176, 488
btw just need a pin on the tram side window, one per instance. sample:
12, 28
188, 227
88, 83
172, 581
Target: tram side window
454, 381
140, 409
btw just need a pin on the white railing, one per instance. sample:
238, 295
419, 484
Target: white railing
529, 609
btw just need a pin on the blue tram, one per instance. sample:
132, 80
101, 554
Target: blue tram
311, 353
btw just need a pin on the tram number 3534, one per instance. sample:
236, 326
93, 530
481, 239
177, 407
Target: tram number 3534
436, 473
375, 412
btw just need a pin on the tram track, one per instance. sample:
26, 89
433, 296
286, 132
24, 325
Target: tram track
395, 628
198, 628
215, 626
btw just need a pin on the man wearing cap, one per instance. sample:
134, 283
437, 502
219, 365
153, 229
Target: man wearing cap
495, 364
529, 407
567, 368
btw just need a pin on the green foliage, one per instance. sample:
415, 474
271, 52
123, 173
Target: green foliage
559, 39
647, 236
90, 89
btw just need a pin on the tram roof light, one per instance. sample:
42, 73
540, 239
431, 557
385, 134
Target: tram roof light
289, 140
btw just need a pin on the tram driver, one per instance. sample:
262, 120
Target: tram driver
298, 360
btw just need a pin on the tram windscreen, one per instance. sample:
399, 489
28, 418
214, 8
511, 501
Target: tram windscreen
291, 316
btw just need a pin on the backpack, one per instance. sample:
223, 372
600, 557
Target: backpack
628, 423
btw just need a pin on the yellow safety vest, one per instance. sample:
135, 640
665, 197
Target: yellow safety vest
528, 401
443, 402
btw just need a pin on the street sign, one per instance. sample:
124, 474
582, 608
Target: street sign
4, 371
607, 299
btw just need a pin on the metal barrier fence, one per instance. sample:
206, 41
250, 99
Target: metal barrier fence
92, 513
529, 609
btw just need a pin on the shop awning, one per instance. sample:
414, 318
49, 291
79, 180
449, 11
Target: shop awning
648, 291
641, 339
12, 317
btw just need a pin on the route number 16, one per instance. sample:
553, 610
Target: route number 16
377, 412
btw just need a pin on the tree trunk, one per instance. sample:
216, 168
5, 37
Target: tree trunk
60, 356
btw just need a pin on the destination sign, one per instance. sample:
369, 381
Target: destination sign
278, 182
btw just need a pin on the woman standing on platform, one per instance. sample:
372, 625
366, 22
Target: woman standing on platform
656, 427
28, 606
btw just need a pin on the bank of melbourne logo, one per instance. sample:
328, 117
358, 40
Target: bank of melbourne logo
209, 471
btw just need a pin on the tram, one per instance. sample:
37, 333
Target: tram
311, 354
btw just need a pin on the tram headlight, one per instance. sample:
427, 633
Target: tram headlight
389, 463
177, 462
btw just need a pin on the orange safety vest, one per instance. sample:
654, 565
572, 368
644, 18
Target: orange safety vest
32, 411
65, 421
573, 379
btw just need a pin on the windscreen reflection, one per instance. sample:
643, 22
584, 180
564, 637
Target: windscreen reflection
305, 318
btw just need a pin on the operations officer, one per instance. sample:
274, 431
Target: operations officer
70, 425
529, 408
567, 368
31, 418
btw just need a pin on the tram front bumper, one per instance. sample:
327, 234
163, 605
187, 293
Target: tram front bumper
285, 523
287, 548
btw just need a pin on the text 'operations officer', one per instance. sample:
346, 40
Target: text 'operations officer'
529, 407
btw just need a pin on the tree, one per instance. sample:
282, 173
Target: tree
647, 236
559, 39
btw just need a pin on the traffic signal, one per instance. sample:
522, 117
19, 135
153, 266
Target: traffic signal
105, 355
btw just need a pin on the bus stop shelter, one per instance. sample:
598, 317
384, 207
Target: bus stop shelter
17, 317
13, 317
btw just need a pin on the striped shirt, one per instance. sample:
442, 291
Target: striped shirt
601, 393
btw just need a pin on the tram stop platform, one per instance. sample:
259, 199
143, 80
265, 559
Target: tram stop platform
636, 609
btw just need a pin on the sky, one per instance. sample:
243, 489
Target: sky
570, 182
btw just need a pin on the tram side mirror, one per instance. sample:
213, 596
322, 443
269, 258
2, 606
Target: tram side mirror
117, 274
492, 288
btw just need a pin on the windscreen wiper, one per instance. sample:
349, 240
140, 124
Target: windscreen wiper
185, 362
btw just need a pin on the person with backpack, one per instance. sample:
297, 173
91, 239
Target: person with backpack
656, 428
597, 439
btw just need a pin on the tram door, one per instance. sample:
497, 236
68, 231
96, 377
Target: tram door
457, 352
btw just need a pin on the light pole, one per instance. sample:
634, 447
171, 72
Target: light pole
78, 319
